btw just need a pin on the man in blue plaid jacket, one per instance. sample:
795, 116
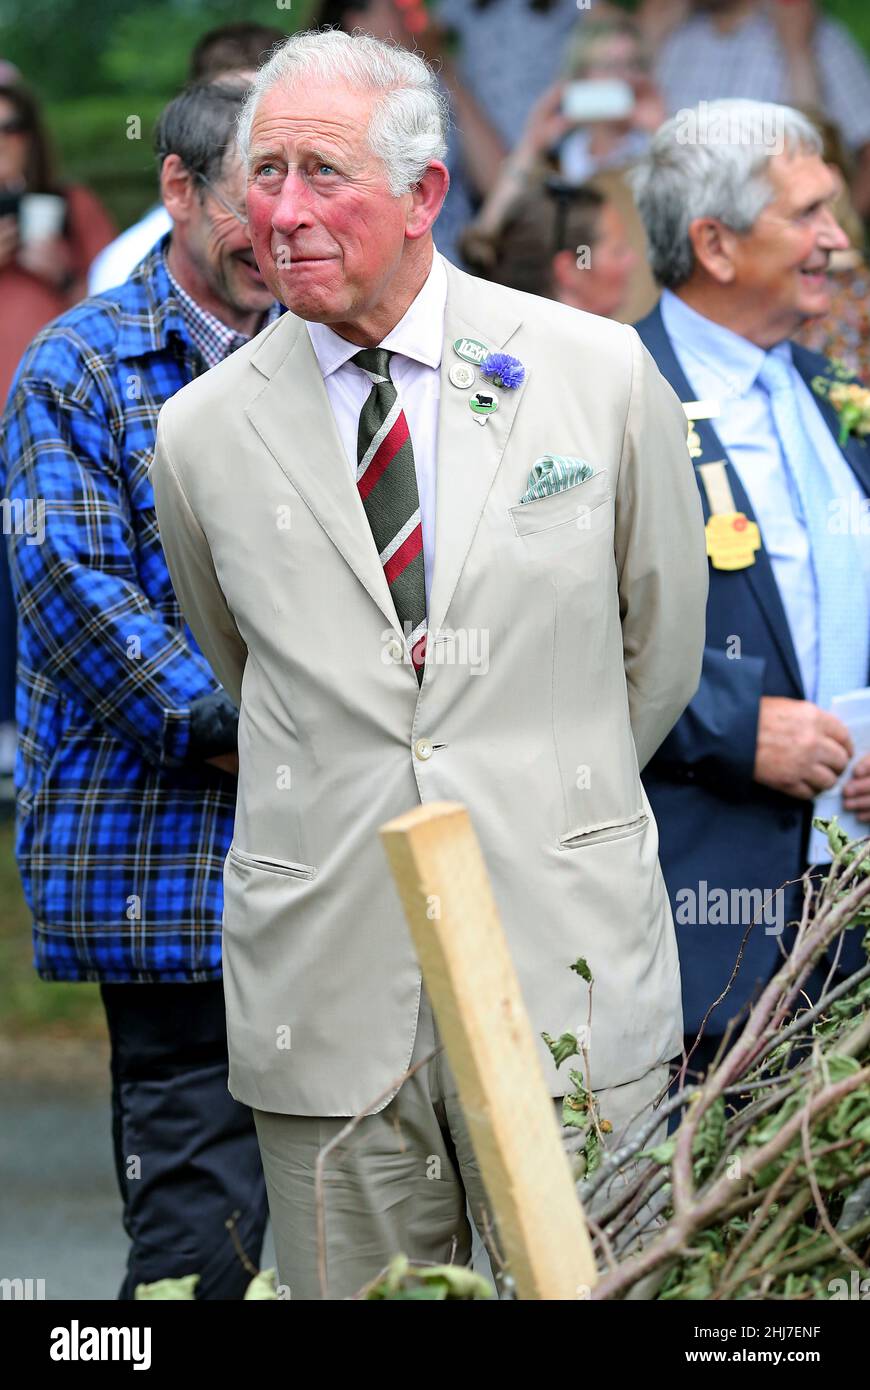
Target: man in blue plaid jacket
127, 744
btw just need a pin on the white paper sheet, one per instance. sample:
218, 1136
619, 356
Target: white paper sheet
854, 711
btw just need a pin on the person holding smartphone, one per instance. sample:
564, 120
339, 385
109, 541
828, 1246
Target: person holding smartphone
588, 127
49, 231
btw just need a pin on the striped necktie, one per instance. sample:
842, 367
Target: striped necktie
387, 482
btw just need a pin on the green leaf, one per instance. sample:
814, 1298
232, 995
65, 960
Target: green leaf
429, 1293
432, 1283
575, 1115
169, 1289
592, 1151
662, 1153
837, 837
582, 969
561, 1048
840, 1068
577, 1081
459, 1281
262, 1285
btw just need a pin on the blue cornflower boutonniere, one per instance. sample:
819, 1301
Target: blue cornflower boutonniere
503, 370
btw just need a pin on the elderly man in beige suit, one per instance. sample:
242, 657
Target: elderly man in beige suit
440, 541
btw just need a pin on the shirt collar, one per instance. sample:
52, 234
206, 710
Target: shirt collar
419, 334
735, 360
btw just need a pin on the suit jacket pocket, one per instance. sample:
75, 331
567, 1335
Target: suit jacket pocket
272, 866
610, 830
574, 504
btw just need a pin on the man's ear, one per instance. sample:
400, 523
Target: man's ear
426, 199
177, 188
564, 271
714, 246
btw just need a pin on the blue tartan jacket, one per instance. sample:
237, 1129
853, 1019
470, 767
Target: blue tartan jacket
122, 827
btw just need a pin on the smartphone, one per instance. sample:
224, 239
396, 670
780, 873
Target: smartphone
9, 204
607, 100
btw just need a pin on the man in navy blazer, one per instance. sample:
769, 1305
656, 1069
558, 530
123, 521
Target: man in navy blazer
736, 201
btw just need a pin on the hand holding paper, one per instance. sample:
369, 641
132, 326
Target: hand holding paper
849, 798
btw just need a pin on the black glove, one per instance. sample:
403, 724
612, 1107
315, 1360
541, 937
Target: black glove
214, 727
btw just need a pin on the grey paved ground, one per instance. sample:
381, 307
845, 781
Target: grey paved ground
60, 1214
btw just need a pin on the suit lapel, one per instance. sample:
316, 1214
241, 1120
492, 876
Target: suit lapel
759, 576
856, 453
294, 419
469, 454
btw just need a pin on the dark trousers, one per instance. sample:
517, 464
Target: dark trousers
186, 1153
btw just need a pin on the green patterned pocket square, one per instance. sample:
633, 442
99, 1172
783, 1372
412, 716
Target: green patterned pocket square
555, 473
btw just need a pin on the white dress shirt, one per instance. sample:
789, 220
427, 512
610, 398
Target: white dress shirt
721, 366
417, 341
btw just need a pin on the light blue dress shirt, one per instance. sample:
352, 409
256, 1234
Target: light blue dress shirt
721, 366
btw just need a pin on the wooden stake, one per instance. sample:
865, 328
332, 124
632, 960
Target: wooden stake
470, 978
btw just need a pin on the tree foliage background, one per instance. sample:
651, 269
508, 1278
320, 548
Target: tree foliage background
95, 63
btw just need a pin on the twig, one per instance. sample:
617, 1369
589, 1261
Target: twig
822, 1250
810, 1015
690, 1219
770, 1196
817, 1196
600, 1235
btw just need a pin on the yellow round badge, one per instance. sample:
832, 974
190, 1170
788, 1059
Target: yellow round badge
732, 540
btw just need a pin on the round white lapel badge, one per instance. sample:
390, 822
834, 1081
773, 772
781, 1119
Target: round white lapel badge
461, 374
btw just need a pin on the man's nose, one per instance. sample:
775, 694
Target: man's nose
292, 209
831, 234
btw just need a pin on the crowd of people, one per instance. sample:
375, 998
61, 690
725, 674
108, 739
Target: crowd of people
672, 643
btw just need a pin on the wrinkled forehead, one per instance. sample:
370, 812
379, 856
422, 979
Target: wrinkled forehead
801, 179
305, 116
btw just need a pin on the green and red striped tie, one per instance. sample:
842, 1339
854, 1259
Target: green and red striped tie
387, 482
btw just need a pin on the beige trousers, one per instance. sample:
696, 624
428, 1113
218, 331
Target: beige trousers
401, 1181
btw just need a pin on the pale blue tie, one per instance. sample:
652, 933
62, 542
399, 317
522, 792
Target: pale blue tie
842, 604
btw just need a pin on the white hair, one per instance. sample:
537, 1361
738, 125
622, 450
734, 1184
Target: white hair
711, 161
408, 126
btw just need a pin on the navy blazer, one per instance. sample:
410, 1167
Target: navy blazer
718, 828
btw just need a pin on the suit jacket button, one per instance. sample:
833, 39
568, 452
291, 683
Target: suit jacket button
423, 748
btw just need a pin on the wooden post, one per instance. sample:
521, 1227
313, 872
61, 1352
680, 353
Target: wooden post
470, 978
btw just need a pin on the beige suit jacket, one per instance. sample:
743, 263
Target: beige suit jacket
591, 605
